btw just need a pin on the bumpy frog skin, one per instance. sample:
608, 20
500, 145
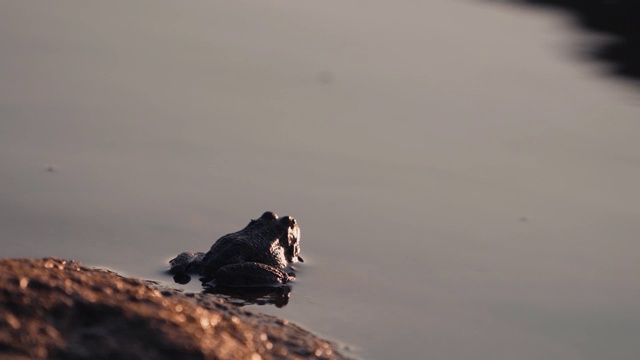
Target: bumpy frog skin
254, 256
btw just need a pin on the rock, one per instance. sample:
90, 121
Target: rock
59, 309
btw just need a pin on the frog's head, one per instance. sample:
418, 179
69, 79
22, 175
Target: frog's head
266, 219
285, 229
290, 238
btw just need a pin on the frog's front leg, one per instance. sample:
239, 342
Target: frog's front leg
186, 263
251, 274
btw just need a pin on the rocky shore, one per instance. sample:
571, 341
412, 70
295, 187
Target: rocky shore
57, 309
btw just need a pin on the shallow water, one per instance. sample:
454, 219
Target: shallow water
466, 187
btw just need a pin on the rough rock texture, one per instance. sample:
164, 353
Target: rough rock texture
57, 309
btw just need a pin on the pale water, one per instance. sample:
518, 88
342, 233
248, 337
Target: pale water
466, 187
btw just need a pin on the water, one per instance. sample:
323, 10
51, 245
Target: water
466, 187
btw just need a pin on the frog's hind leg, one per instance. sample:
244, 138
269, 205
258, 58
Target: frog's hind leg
251, 274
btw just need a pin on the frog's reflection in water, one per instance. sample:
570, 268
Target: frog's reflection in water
278, 296
241, 296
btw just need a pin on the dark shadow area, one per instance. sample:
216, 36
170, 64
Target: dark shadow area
620, 18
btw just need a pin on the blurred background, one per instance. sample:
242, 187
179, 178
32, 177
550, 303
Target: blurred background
465, 173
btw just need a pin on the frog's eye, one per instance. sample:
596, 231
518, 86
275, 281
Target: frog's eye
269, 215
291, 222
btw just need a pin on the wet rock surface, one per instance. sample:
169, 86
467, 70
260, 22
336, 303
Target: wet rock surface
59, 309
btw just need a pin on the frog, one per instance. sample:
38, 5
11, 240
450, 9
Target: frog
259, 255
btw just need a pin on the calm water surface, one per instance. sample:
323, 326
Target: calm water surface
465, 187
